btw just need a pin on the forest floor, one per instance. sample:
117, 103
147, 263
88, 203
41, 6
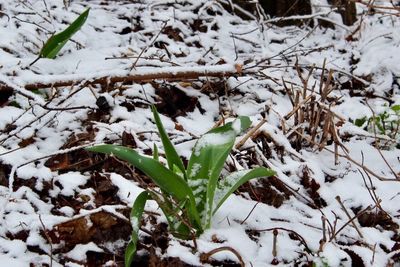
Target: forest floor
325, 109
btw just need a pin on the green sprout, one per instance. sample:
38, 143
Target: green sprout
385, 123
190, 196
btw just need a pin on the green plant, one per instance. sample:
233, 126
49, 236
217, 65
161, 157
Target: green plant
386, 123
188, 197
57, 41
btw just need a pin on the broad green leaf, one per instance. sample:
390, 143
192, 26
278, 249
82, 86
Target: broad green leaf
136, 216
241, 124
172, 156
168, 181
164, 178
206, 162
230, 183
56, 42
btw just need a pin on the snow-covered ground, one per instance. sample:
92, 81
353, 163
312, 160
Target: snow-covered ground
334, 200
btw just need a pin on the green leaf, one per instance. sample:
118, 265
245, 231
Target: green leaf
360, 122
206, 162
232, 182
378, 124
155, 153
168, 181
56, 42
163, 177
172, 156
395, 108
136, 215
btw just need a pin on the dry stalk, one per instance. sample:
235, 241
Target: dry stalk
371, 189
311, 115
147, 47
297, 107
250, 133
323, 240
274, 243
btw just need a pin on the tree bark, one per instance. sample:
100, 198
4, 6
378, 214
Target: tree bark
347, 10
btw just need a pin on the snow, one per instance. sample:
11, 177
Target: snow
128, 191
69, 181
211, 140
365, 81
79, 251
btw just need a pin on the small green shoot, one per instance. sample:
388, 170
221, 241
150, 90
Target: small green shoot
188, 197
57, 41
385, 123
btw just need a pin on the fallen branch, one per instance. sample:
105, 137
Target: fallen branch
139, 75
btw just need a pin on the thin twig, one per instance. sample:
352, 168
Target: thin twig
301, 239
350, 221
348, 215
147, 47
206, 256
48, 240
251, 211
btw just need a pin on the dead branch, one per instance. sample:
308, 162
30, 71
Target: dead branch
140, 75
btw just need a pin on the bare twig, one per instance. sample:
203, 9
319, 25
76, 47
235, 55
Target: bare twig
251, 211
350, 221
48, 240
348, 215
299, 237
147, 47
